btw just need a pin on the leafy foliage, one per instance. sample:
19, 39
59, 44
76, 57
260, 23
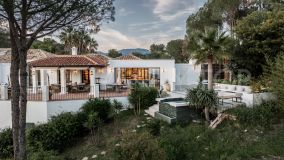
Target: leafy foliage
146, 96
49, 45
102, 107
261, 34
113, 53
57, 134
274, 77
158, 51
6, 143
202, 97
210, 43
262, 115
175, 50
139, 146
79, 38
154, 127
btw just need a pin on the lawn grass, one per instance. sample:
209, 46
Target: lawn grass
230, 140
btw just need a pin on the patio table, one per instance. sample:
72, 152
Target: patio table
229, 97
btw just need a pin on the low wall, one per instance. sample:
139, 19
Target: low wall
41, 112
36, 113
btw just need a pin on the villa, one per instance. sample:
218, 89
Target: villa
62, 83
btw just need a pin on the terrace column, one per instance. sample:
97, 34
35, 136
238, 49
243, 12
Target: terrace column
34, 80
118, 78
43, 77
94, 89
63, 80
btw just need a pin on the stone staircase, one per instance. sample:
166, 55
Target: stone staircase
151, 110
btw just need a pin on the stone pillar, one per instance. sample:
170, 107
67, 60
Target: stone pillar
34, 80
4, 92
63, 80
92, 81
45, 93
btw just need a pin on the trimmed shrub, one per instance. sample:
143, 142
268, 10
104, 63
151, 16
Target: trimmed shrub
6, 143
139, 146
102, 107
146, 96
57, 134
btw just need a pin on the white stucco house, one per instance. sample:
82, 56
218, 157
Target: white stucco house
62, 83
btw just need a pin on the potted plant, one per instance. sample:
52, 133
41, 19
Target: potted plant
167, 86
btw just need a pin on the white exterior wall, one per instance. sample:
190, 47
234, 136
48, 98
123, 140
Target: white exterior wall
36, 113
41, 112
167, 68
187, 74
4, 72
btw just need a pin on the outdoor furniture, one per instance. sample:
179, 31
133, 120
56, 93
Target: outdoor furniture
55, 88
236, 97
115, 87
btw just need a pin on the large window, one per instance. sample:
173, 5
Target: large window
86, 76
146, 76
135, 73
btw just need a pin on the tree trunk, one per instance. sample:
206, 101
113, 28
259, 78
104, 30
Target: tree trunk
23, 103
210, 73
206, 110
15, 94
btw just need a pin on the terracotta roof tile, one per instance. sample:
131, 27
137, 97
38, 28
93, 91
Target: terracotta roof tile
128, 57
70, 60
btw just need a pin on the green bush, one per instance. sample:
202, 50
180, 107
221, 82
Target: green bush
262, 115
57, 134
102, 107
243, 80
154, 127
146, 96
139, 146
6, 143
274, 78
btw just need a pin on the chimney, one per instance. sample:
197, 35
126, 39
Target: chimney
74, 51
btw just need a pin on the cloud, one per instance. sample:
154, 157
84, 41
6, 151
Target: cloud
168, 10
124, 12
109, 38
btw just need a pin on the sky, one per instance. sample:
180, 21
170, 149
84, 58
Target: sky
140, 23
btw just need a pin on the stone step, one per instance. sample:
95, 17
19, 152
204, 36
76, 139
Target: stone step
151, 110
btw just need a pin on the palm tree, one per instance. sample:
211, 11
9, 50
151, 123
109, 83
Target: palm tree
78, 38
209, 47
201, 97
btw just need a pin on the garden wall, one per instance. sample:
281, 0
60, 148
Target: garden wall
40, 112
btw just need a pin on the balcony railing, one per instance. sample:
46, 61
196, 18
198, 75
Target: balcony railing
38, 94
